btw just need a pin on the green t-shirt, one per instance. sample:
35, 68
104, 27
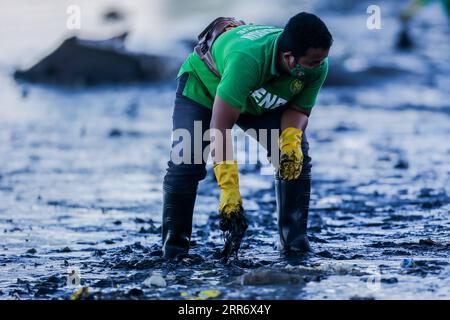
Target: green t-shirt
245, 57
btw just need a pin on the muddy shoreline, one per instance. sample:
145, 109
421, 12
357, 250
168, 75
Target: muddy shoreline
81, 175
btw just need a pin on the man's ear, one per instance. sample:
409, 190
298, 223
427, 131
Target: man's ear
289, 58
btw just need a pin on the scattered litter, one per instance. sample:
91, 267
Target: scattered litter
202, 295
156, 280
80, 294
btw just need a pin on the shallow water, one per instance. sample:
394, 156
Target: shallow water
81, 172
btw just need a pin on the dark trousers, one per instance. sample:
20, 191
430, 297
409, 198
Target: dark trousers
184, 177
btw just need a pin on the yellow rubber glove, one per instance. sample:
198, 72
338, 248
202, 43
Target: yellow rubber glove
291, 159
227, 177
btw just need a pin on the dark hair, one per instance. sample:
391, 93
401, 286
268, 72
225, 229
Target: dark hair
304, 31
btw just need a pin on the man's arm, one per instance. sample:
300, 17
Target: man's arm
239, 77
224, 116
295, 117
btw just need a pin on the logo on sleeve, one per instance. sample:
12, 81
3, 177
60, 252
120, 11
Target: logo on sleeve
296, 86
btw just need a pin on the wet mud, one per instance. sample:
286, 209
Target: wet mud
80, 192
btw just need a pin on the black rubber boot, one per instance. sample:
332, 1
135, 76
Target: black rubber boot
178, 209
292, 207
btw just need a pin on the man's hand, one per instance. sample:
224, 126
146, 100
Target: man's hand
232, 219
291, 159
226, 173
293, 122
